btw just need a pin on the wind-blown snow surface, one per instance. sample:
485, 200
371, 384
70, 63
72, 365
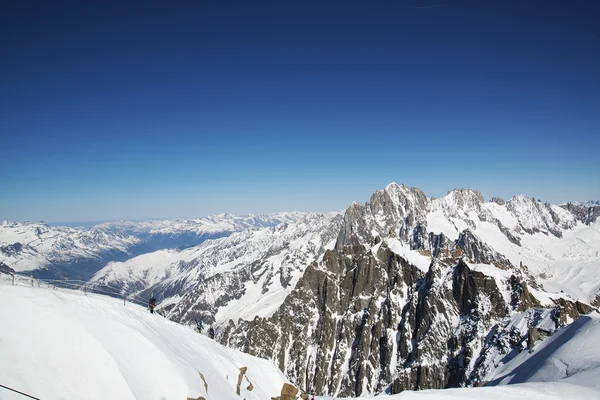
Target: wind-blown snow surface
64, 345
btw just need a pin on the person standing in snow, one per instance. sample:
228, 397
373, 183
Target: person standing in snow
556, 317
211, 333
199, 326
152, 304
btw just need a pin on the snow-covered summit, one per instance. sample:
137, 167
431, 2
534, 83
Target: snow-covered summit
550, 240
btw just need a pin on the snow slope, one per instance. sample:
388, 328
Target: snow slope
526, 391
571, 355
64, 345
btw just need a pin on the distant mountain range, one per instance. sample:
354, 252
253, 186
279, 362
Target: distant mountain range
402, 292
45, 251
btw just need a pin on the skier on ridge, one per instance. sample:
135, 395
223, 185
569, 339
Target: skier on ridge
199, 326
152, 304
211, 333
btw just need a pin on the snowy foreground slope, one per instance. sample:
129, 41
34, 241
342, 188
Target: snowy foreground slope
64, 345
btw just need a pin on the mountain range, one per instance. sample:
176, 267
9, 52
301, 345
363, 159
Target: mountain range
402, 292
58, 252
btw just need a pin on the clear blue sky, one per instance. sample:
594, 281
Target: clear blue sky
143, 109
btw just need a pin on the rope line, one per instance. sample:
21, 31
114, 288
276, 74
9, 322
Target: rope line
86, 287
21, 393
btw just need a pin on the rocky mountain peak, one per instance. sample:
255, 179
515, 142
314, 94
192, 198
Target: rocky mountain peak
587, 213
464, 199
535, 216
498, 200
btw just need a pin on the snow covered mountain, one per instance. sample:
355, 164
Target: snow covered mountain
559, 245
47, 251
58, 251
417, 291
63, 344
402, 292
180, 233
246, 274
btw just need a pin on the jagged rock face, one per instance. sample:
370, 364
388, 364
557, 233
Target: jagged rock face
348, 307
367, 321
478, 252
406, 213
395, 210
583, 212
364, 320
535, 216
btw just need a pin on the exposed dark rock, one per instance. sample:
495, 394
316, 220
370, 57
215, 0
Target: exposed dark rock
11, 249
478, 252
582, 212
5, 269
521, 298
380, 319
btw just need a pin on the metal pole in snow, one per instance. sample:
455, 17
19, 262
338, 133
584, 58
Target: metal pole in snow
13, 279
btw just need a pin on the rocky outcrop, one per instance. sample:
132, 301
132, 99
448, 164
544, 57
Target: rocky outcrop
348, 309
478, 252
288, 392
5, 269
365, 321
586, 213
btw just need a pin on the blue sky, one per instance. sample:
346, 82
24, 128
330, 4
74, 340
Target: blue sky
129, 110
